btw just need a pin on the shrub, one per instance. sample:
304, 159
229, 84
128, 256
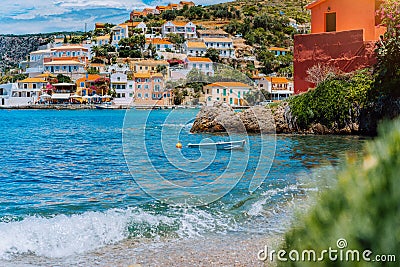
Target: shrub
335, 102
362, 208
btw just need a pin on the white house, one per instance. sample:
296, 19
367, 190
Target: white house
22, 93
194, 49
186, 29
223, 45
160, 44
119, 32
279, 87
65, 67
77, 51
35, 63
103, 40
205, 65
231, 93
124, 89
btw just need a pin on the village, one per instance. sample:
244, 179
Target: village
143, 64
77, 73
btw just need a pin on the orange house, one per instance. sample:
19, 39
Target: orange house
343, 35
344, 15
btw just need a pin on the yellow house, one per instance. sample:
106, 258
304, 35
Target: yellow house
231, 93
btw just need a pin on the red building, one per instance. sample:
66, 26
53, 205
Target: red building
343, 35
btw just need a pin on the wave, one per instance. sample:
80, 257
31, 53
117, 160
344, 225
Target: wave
62, 235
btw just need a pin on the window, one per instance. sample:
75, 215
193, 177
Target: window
118, 79
122, 86
217, 91
139, 95
139, 86
138, 80
34, 85
146, 95
25, 86
156, 88
194, 65
230, 101
147, 80
82, 84
123, 95
130, 86
200, 66
130, 94
207, 66
146, 86
230, 91
224, 92
217, 98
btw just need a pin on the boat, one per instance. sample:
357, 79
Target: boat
107, 106
221, 145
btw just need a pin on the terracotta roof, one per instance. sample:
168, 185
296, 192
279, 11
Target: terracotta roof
151, 62
141, 75
157, 41
196, 45
314, 4
180, 23
157, 75
278, 49
217, 40
33, 80
230, 84
199, 59
277, 79
105, 37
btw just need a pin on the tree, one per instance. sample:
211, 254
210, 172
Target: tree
63, 78
212, 54
176, 39
169, 14
388, 50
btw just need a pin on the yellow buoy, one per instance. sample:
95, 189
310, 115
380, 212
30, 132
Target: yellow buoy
179, 145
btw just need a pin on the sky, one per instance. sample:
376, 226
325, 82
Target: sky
40, 16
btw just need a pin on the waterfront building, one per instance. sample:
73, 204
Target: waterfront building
149, 88
124, 89
231, 93
150, 66
205, 65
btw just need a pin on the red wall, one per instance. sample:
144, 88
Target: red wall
345, 50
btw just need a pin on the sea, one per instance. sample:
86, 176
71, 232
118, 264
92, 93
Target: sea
110, 188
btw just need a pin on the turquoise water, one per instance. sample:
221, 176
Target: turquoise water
75, 181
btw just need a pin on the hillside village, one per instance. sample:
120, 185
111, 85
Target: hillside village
147, 59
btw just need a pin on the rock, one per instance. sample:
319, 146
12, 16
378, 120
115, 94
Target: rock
222, 118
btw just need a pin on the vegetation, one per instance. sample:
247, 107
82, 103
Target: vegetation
363, 207
388, 50
335, 102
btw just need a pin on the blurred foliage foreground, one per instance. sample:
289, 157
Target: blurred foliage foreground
363, 208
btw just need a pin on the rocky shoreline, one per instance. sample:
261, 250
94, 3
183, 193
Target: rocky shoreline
262, 119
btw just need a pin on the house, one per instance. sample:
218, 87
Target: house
218, 33
135, 25
231, 93
279, 88
85, 84
136, 14
150, 66
223, 45
66, 67
205, 65
340, 37
147, 11
172, 6
149, 88
119, 67
161, 9
194, 48
186, 29
12, 95
124, 89
75, 52
160, 44
34, 65
278, 51
339, 15
119, 32
102, 40
189, 4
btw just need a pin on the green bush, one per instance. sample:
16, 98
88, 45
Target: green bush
335, 102
363, 207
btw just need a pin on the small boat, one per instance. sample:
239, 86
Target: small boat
221, 145
106, 106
